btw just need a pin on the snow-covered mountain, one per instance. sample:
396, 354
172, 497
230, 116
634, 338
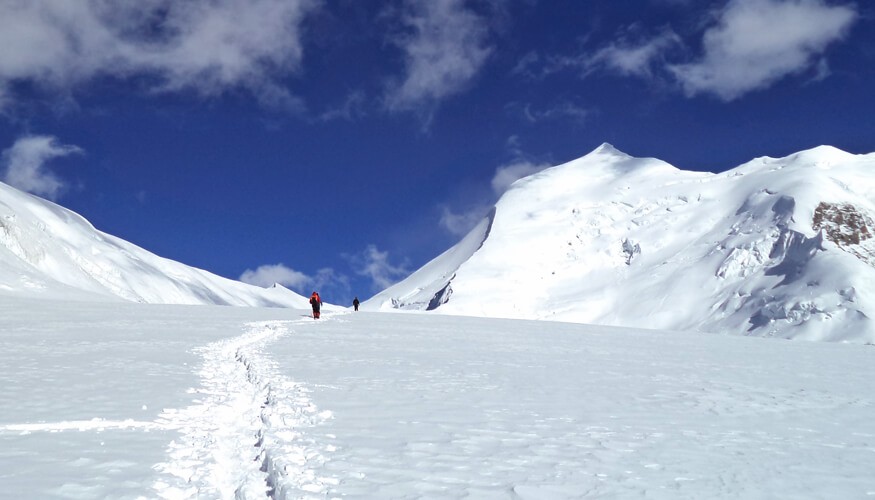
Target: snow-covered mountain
775, 247
48, 251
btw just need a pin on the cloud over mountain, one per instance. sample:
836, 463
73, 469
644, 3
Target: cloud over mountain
23, 165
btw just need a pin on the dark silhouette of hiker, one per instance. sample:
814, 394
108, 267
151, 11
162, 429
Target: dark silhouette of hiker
316, 302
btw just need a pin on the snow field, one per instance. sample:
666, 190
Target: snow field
85, 387
468, 408
138, 401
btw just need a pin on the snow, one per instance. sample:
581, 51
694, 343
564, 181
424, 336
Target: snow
615, 240
775, 248
166, 401
48, 251
125, 375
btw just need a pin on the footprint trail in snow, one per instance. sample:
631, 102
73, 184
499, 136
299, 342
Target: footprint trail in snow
244, 437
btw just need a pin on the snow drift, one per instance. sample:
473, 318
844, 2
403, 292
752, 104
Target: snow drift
775, 247
48, 251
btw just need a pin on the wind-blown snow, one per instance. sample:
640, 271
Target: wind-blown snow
154, 401
775, 247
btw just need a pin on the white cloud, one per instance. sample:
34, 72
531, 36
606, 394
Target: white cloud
563, 109
24, 165
374, 264
506, 175
526, 63
632, 53
521, 166
267, 275
757, 42
475, 204
633, 58
330, 284
351, 109
750, 45
470, 212
460, 224
208, 46
328, 278
445, 48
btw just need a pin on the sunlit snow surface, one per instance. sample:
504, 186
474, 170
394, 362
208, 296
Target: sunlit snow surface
777, 247
153, 401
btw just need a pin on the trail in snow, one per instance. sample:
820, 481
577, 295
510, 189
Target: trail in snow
95, 424
243, 438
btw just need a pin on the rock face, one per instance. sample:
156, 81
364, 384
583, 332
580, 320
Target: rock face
849, 227
775, 247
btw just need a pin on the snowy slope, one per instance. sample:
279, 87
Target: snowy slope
135, 401
48, 251
775, 247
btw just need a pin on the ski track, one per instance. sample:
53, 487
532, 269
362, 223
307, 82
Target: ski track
244, 439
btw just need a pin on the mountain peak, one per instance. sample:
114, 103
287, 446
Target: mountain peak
608, 149
617, 240
821, 155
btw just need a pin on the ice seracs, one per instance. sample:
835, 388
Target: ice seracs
775, 247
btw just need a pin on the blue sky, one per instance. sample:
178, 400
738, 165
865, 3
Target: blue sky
341, 144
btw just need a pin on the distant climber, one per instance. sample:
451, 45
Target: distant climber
355, 303
316, 302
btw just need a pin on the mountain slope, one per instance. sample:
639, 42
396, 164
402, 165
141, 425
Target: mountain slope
49, 251
775, 247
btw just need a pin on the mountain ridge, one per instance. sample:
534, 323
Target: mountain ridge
50, 252
616, 240
777, 247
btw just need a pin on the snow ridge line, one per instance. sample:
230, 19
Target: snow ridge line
243, 440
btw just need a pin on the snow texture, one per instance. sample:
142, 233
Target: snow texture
182, 402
